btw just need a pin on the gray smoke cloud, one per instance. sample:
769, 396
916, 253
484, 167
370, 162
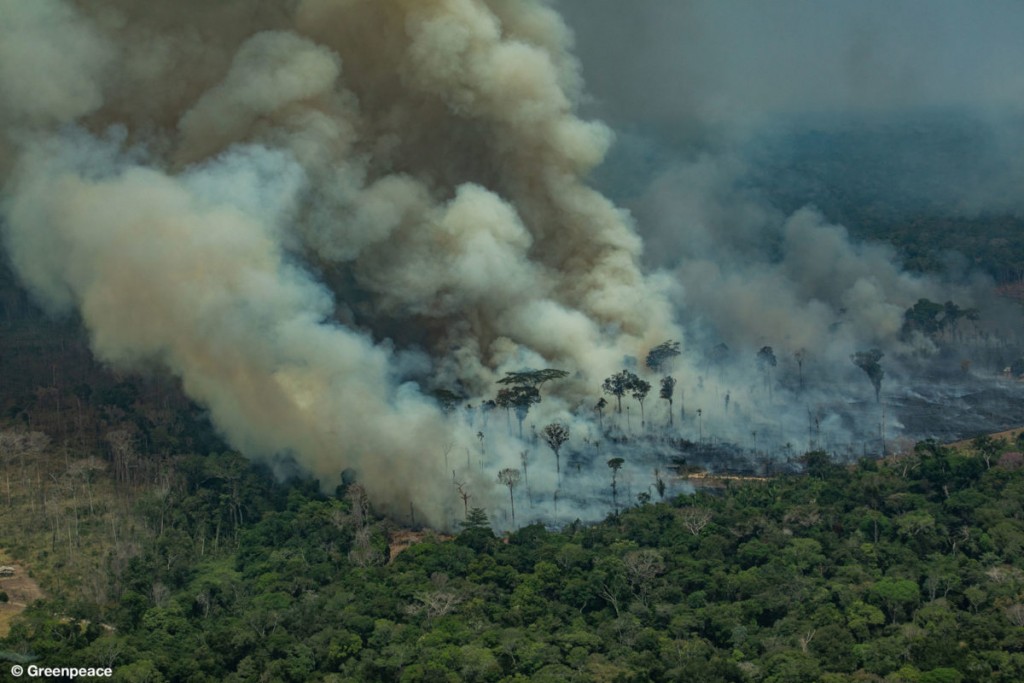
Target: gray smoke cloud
299, 207
705, 63
712, 98
704, 89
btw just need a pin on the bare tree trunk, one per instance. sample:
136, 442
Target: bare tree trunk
512, 500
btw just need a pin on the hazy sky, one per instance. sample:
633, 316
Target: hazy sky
734, 61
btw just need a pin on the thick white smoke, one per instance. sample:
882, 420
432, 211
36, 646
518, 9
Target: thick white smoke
267, 199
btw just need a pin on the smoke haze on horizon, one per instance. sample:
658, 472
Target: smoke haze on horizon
710, 99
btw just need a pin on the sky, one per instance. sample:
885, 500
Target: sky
676, 63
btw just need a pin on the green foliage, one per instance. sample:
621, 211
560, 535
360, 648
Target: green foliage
895, 571
818, 464
943, 675
476, 519
897, 594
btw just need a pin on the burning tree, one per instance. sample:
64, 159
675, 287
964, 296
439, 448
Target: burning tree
617, 385
615, 464
485, 410
639, 390
555, 435
523, 391
519, 398
766, 361
465, 496
510, 478
800, 355
868, 362
523, 397
668, 386
599, 409
532, 378
447, 400
953, 314
659, 484
504, 400
661, 354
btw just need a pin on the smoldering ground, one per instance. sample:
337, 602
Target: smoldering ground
317, 212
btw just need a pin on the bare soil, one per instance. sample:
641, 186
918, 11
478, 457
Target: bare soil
1010, 435
21, 589
403, 539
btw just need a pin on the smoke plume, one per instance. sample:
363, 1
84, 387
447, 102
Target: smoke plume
316, 213
301, 207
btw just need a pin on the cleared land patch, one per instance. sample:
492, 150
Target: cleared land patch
21, 590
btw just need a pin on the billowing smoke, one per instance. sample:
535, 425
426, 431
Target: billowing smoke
752, 274
316, 213
733, 118
300, 207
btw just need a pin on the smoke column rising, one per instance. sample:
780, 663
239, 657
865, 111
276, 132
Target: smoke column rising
257, 196
316, 212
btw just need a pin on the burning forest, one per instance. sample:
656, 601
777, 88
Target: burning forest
394, 239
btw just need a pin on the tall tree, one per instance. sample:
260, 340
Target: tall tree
766, 361
659, 484
868, 362
447, 400
599, 408
533, 378
800, 355
668, 386
925, 316
510, 478
505, 400
615, 464
485, 410
555, 435
523, 396
465, 496
639, 389
476, 518
617, 385
952, 314
661, 354
523, 391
